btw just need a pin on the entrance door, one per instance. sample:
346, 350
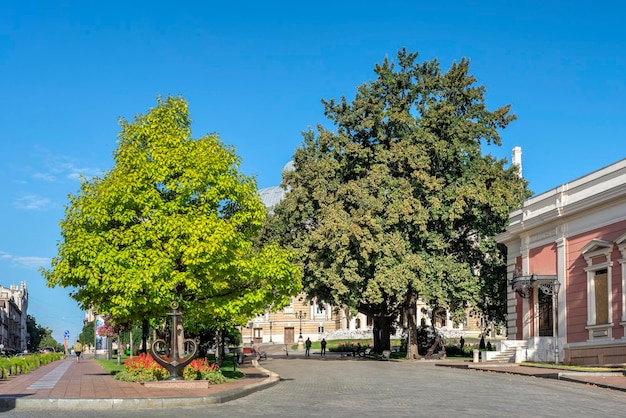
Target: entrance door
289, 333
545, 315
258, 335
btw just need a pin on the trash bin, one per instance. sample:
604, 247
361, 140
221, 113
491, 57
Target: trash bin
240, 357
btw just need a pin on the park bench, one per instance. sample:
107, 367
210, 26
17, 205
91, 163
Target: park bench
259, 354
254, 352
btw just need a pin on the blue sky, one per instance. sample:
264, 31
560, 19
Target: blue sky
255, 73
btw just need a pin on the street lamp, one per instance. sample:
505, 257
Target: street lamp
555, 294
300, 315
270, 331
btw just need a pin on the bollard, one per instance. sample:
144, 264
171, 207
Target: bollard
476, 353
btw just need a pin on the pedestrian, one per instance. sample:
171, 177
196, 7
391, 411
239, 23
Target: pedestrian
307, 343
78, 349
462, 341
323, 344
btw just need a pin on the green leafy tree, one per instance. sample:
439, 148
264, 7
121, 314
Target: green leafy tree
47, 340
399, 202
87, 334
173, 220
35, 334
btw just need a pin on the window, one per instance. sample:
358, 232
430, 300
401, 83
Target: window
319, 310
320, 329
599, 312
289, 308
602, 296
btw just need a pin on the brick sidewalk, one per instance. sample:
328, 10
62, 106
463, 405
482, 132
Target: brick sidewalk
610, 380
69, 380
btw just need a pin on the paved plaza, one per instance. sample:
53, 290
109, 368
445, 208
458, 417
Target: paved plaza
344, 387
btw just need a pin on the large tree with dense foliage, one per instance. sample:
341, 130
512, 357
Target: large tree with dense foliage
399, 202
173, 220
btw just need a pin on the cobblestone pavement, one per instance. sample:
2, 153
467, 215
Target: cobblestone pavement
336, 387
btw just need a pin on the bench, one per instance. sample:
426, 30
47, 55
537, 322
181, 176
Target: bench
259, 354
254, 351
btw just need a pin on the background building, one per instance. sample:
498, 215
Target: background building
13, 313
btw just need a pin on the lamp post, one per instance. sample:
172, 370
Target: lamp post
270, 331
555, 294
95, 334
300, 315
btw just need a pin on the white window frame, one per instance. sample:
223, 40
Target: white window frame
597, 249
621, 245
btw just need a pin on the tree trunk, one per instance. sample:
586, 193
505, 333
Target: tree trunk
119, 348
145, 328
382, 336
109, 347
218, 347
411, 350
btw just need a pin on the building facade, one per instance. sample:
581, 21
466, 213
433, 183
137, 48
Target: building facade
13, 313
567, 271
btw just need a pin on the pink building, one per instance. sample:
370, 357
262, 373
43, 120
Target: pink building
567, 260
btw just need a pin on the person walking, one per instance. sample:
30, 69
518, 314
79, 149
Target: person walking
78, 349
323, 344
307, 344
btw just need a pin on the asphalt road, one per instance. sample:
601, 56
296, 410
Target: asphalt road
366, 388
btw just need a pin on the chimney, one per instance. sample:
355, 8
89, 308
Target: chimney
517, 158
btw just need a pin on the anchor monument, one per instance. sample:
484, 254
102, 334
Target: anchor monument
174, 364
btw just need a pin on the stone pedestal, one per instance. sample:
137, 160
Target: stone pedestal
476, 354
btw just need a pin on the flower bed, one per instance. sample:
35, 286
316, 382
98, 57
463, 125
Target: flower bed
143, 368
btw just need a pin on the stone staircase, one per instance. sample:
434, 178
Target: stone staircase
506, 354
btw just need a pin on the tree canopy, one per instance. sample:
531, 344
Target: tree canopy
399, 201
173, 220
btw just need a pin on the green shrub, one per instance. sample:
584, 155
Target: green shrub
347, 347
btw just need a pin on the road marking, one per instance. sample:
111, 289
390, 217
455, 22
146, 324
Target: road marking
51, 379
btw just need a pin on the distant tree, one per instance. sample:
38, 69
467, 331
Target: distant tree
173, 220
48, 341
87, 335
399, 202
35, 333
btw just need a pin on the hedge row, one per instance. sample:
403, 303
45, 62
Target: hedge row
12, 366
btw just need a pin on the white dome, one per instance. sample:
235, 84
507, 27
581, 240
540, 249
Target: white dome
289, 167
